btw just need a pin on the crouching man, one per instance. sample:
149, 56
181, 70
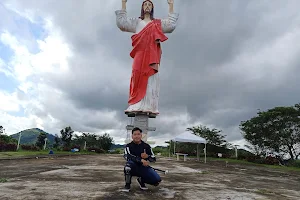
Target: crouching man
138, 154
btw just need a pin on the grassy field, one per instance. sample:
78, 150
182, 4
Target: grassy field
22, 153
244, 162
230, 161
15, 154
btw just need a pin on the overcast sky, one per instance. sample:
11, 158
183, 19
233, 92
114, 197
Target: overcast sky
65, 63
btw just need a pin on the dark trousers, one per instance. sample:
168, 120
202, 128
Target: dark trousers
147, 174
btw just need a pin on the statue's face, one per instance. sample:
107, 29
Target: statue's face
147, 6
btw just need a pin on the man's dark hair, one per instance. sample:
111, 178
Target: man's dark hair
143, 13
136, 129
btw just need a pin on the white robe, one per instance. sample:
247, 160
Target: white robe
134, 25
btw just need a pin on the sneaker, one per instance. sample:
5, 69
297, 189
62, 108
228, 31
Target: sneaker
141, 184
156, 184
126, 188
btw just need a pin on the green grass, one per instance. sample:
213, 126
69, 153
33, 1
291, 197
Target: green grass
3, 180
244, 162
15, 154
230, 160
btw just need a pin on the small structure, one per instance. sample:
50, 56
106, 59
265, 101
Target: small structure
181, 154
189, 137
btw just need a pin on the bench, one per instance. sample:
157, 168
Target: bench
181, 154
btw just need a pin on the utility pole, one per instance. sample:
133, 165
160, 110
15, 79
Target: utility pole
45, 143
236, 153
19, 141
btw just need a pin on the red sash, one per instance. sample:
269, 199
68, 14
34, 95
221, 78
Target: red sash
146, 54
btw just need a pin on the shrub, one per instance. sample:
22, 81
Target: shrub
117, 151
271, 161
29, 147
190, 153
97, 150
260, 161
242, 157
8, 147
66, 149
224, 155
297, 163
162, 150
256, 159
293, 163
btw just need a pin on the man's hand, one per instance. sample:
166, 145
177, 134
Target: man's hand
145, 162
144, 155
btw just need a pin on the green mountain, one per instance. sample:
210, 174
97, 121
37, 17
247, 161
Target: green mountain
29, 136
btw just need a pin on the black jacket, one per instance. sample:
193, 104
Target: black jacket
133, 152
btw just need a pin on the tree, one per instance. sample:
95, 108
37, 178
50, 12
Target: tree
89, 138
256, 149
277, 129
6, 139
93, 141
41, 140
212, 136
66, 136
57, 142
105, 142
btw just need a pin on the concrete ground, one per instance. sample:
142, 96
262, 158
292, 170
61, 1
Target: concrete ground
101, 177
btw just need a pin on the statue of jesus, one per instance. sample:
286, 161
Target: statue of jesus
146, 53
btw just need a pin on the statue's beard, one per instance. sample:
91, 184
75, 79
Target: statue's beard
147, 11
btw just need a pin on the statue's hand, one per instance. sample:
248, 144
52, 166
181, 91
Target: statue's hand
170, 1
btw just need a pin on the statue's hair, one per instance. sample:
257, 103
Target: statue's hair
143, 13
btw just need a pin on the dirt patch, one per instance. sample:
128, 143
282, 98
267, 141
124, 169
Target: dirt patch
101, 177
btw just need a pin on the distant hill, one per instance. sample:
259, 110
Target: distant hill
29, 136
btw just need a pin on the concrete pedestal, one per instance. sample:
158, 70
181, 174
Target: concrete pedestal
141, 120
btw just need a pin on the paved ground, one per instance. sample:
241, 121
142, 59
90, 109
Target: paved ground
101, 177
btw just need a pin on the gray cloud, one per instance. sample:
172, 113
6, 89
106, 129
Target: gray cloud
223, 62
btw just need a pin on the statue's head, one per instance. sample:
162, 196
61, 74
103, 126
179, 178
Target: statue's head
147, 8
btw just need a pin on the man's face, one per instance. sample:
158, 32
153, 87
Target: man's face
136, 136
147, 6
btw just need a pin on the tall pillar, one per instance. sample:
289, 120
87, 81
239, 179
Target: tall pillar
141, 120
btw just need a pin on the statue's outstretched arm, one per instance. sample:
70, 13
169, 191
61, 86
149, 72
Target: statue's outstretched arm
124, 23
169, 24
